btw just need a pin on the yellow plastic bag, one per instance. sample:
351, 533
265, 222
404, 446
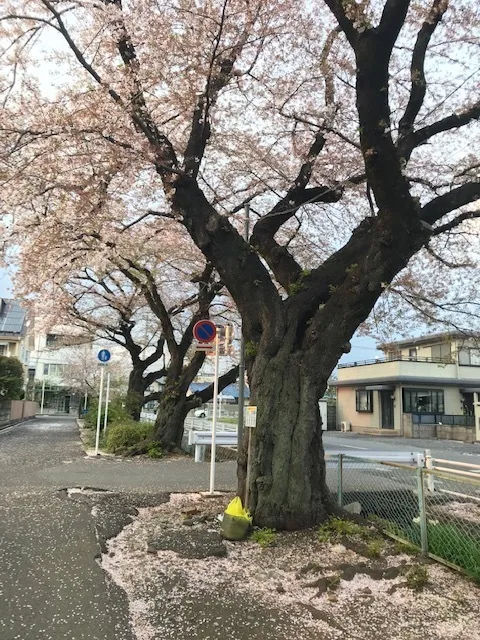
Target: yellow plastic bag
236, 521
235, 508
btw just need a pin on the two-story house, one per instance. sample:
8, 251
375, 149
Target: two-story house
13, 329
423, 387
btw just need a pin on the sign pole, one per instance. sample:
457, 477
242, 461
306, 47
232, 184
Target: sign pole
241, 364
107, 396
99, 412
43, 397
214, 419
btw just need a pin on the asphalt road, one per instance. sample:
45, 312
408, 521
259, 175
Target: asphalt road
51, 584
346, 443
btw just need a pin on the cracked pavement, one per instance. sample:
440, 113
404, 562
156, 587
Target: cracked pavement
52, 586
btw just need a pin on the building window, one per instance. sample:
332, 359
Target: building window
3, 349
467, 356
442, 351
51, 339
364, 400
412, 354
423, 401
53, 370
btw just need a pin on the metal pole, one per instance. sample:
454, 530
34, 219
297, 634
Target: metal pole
249, 467
99, 412
107, 396
241, 363
422, 512
340, 481
85, 402
214, 418
43, 397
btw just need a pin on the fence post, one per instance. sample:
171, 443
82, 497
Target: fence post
422, 511
340, 481
429, 466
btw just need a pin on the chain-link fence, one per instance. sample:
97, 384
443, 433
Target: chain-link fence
439, 512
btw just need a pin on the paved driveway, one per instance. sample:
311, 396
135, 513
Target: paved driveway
51, 585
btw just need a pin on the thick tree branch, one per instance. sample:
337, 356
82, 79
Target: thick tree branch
200, 397
417, 70
454, 199
407, 144
392, 20
337, 7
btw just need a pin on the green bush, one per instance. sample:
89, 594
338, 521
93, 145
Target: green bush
154, 450
117, 412
127, 433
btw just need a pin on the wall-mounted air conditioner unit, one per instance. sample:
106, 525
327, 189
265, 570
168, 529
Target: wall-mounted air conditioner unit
345, 426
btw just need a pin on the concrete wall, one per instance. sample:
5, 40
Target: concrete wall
22, 409
12, 411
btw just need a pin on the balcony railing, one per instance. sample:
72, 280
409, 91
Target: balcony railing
437, 418
361, 363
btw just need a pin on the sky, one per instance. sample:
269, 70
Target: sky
5, 284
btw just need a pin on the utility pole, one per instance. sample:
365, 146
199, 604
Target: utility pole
241, 364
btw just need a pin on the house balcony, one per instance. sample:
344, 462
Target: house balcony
398, 368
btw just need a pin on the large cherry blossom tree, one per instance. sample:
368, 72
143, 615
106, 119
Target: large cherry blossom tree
350, 127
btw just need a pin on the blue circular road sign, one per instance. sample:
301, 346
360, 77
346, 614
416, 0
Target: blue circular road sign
204, 331
104, 355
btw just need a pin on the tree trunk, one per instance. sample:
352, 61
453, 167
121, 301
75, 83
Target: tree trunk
135, 393
169, 424
287, 488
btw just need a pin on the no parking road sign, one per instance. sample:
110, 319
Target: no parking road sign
204, 331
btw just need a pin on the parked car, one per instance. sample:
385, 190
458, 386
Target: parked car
200, 413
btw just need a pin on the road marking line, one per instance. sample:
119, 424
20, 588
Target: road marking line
350, 446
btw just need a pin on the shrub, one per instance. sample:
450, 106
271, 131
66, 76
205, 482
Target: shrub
127, 433
154, 450
117, 412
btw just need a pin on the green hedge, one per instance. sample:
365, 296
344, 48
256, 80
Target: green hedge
127, 433
117, 412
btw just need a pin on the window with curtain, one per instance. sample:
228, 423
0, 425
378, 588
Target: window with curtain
364, 400
423, 401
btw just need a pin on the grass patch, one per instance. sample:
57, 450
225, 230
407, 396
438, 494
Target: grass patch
264, 537
128, 433
417, 577
446, 541
405, 547
450, 543
375, 547
335, 528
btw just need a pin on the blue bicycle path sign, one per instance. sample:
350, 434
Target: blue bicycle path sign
104, 355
